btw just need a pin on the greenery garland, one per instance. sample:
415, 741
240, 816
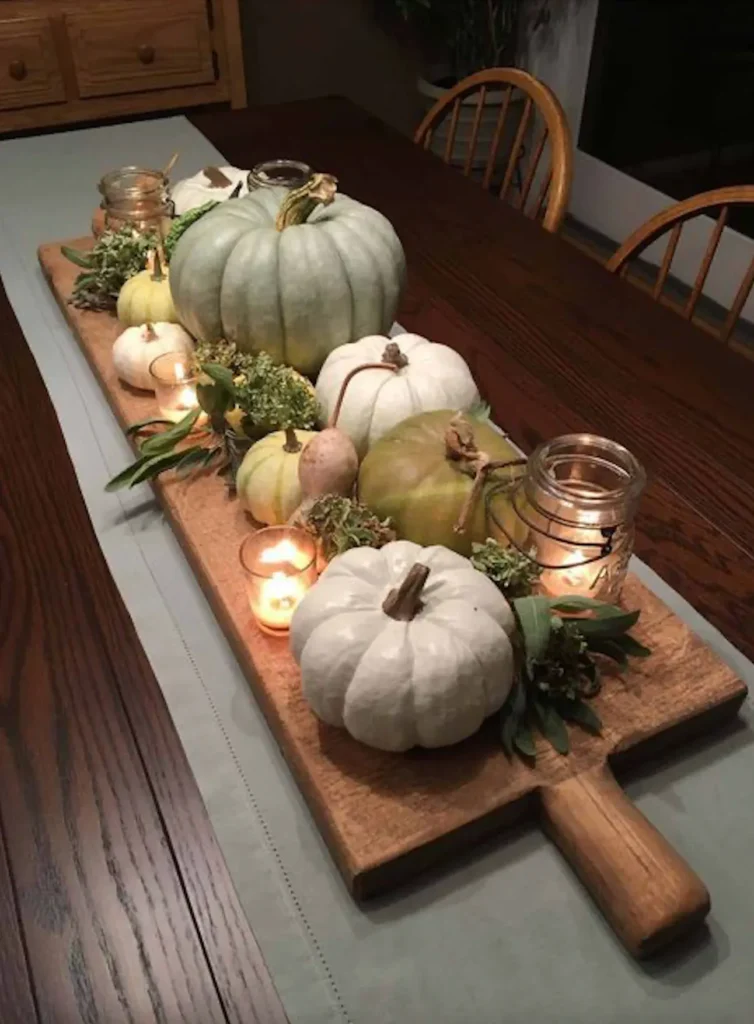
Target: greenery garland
244, 397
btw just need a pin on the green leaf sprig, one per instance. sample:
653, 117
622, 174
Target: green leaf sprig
160, 451
115, 257
265, 395
342, 523
557, 671
512, 572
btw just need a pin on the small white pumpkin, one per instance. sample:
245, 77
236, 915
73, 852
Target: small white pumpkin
137, 347
405, 646
267, 482
418, 376
210, 183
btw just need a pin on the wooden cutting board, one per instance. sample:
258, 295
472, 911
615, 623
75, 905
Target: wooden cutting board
386, 816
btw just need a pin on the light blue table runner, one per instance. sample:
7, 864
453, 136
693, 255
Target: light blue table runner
505, 934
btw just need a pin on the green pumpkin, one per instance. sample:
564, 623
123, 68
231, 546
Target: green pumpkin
295, 274
409, 476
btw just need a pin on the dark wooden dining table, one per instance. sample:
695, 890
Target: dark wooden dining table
115, 900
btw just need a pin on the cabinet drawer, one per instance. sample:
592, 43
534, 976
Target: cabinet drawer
133, 48
29, 71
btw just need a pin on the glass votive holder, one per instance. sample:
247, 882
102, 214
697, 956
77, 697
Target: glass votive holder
279, 564
174, 385
288, 173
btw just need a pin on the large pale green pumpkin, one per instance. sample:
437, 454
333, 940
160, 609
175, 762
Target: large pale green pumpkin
295, 274
409, 476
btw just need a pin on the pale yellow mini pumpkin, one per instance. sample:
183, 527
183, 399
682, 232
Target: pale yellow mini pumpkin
145, 297
267, 481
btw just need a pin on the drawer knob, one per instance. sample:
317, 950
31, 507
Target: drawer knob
17, 70
146, 54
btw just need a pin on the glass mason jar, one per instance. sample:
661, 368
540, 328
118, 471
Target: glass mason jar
578, 499
288, 173
137, 197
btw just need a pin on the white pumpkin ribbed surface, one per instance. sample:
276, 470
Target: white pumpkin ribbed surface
435, 377
393, 684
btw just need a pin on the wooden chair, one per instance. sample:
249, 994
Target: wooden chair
554, 179
672, 220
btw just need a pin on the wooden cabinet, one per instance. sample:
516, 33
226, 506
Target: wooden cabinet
133, 47
63, 61
29, 69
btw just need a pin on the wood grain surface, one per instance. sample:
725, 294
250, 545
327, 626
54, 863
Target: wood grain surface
386, 816
115, 900
555, 342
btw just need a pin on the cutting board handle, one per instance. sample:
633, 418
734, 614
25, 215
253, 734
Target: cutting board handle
646, 890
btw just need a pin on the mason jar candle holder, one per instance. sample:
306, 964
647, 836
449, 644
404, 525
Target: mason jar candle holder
279, 564
174, 385
578, 498
287, 173
136, 197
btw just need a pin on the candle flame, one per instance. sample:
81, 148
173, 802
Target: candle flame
284, 551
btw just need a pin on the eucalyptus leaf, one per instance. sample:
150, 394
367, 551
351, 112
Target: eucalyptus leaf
155, 465
576, 603
611, 649
632, 646
592, 674
533, 614
81, 259
582, 714
511, 715
524, 741
552, 726
191, 458
166, 440
140, 424
220, 374
608, 626
123, 479
213, 400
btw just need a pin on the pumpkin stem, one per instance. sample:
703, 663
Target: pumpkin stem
292, 443
403, 602
155, 263
216, 177
461, 446
393, 354
300, 203
347, 380
150, 333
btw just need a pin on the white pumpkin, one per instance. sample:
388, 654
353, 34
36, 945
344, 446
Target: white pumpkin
405, 646
429, 377
201, 188
136, 348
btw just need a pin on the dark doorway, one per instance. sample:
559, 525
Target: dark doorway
670, 95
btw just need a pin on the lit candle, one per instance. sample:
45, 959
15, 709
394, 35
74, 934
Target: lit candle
279, 563
577, 575
175, 387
